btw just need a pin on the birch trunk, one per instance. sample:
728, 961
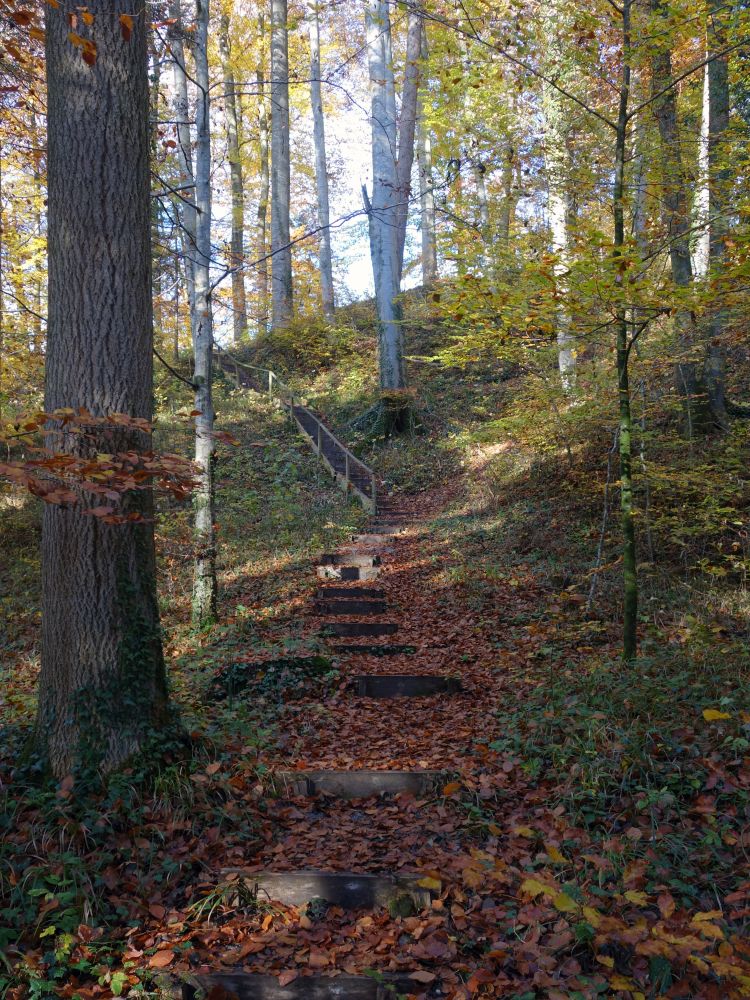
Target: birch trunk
720, 177
185, 210
281, 266
689, 380
629, 552
321, 167
382, 208
701, 201
237, 259
204, 577
102, 687
406, 130
262, 213
426, 185
560, 213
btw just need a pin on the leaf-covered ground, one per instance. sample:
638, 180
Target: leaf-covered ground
589, 838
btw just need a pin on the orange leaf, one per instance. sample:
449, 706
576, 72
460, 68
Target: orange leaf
287, 977
161, 959
87, 17
126, 26
452, 787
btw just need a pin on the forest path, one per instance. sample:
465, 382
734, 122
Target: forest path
366, 835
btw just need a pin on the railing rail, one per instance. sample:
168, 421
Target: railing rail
366, 488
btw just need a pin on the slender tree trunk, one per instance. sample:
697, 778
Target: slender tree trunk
557, 123
239, 299
702, 197
184, 205
102, 687
630, 574
383, 207
262, 216
719, 176
406, 130
204, 603
426, 189
281, 265
688, 372
321, 167
508, 205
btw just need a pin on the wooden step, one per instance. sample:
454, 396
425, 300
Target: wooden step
368, 649
356, 784
375, 539
348, 890
349, 593
385, 528
404, 685
354, 629
343, 573
349, 559
342, 607
256, 986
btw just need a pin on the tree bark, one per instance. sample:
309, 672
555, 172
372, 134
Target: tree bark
560, 206
237, 260
406, 129
426, 188
719, 176
382, 208
321, 167
629, 560
281, 265
262, 212
204, 603
689, 379
102, 687
185, 210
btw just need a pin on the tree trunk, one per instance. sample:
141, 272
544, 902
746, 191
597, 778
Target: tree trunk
262, 214
719, 178
406, 130
237, 262
426, 188
102, 687
383, 206
281, 266
688, 372
560, 209
184, 205
321, 167
204, 579
629, 560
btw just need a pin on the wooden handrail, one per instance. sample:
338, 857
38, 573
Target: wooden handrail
317, 441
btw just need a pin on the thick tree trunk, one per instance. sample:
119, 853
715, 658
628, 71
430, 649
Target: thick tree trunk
426, 188
382, 208
689, 379
406, 130
204, 579
102, 688
239, 299
321, 167
281, 264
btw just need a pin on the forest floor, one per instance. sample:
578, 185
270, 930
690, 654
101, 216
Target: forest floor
589, 838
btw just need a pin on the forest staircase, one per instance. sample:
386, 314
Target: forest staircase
365, 608
349, 471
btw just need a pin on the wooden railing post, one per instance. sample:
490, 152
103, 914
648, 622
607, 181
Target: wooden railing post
346, 467
270, 383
